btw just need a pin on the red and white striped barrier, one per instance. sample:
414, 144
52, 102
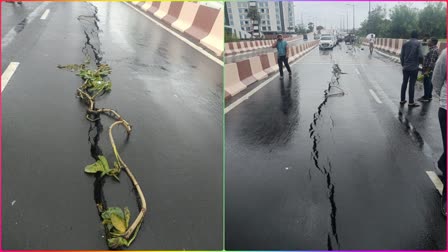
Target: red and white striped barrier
245, 46
393, 46
201, 23
240, 75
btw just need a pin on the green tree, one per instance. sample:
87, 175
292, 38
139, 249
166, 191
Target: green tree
310, 27
319, 28
375, 24
431, 20
300, 29
404, 19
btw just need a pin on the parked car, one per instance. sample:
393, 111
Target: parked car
326, 42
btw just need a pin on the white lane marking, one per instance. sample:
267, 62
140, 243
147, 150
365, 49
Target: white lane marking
357, 71
375, 96
188, 42
436, 181
45, 15
253, 91
6, 76
10, 36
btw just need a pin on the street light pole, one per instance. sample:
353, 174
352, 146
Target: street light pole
353, 18
368, 22
347, 22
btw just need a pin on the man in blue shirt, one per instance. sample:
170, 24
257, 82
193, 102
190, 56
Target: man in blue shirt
282, 52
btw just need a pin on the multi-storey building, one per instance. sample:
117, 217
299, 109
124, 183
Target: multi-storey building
275, 17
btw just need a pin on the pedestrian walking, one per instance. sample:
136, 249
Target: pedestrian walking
282, 52
411, 54
428, 66
439, 82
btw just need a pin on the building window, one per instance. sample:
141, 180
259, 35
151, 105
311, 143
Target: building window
263, 28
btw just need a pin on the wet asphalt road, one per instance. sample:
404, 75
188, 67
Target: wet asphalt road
168, 91
305, 172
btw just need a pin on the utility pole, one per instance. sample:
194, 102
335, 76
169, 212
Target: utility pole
347, 22
368, 22
353, 18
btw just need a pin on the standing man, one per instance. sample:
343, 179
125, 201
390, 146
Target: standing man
411, 54
428, 66
282, 52
371, 42
439, 82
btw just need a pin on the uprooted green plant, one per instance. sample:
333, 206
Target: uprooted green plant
119, 231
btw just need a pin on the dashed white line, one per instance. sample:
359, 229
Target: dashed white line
188, 42
435, 180
375, 96
357, 71
6, 76
45, 15
10, 36
253, 91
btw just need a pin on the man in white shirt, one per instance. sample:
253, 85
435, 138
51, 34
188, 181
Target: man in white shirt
371, 42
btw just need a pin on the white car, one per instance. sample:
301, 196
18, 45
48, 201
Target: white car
327, 42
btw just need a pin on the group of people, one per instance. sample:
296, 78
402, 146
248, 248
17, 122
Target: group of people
434, 79
410, 57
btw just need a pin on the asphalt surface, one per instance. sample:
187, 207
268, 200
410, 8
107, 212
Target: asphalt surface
309, 168
168, 91
242, 56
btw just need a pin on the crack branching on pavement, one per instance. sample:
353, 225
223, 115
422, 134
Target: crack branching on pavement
119, 231
324, 165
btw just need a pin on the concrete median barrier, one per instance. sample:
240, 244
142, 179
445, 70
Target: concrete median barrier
201, 24
233, 83
393, 46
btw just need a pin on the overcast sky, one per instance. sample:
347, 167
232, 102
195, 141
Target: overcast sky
330, 14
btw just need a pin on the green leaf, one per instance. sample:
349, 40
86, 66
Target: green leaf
117, 242
101, 165
119, 223
94, 168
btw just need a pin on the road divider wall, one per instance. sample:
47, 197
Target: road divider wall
393, 46
239, 75
201, 23
249, 45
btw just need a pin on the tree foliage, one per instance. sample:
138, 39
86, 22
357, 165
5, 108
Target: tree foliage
310, 27
319, 28
402, 19
300, 29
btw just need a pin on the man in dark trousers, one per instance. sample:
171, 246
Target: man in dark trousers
282, 52
428, 66
411, 54
439, 82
